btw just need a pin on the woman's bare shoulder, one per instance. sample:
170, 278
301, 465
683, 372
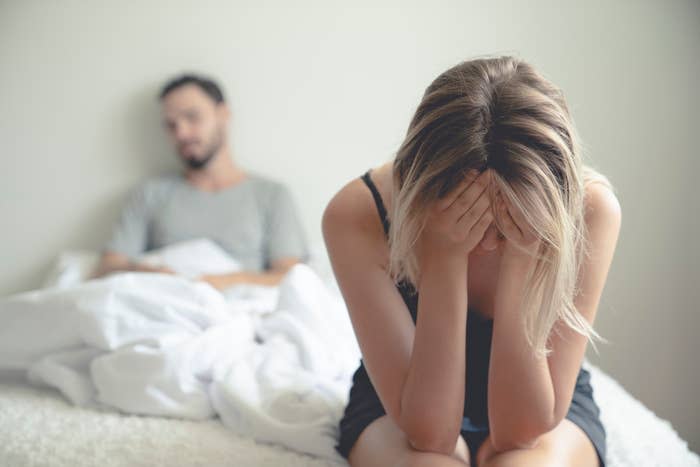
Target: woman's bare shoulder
602, 206
352, 214
348, 205
350, 208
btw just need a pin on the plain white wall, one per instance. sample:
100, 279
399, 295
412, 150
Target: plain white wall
322, 91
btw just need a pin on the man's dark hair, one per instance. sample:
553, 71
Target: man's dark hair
210, 88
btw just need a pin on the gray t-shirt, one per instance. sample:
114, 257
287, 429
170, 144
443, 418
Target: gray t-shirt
255, 221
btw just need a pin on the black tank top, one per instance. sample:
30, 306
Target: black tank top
478, 348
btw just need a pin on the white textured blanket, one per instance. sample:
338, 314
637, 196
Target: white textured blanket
157, 344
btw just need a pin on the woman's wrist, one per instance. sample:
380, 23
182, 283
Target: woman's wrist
442, 257
444, 264
516, 259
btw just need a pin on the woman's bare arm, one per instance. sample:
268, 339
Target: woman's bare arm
529, 396
418, 371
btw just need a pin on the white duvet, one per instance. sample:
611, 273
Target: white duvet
273, 363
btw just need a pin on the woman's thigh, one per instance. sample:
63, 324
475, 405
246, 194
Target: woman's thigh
565, 446
383, 444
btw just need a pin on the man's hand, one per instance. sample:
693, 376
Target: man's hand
115, 262
138, 267
271, 277
222, 281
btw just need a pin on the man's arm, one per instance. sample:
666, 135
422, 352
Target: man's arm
113, 262
272, 276
129, 238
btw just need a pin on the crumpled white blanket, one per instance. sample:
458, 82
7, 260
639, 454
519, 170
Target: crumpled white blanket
164, 345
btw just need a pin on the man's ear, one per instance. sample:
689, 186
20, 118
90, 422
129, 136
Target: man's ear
224, 112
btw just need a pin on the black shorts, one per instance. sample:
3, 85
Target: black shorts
364, 407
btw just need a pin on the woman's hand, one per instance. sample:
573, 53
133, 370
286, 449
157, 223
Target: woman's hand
457, 223
521, 244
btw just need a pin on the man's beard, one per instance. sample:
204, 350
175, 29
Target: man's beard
198, 163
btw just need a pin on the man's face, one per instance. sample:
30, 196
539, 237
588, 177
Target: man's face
195, 123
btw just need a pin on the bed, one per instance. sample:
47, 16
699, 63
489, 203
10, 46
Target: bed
39, 426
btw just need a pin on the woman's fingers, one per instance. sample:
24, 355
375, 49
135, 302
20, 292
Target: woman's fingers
519, 220
510, 228
522, 223
469, 218
479, 229
516, 215
465, 214
464, 202
516, 228
446, 202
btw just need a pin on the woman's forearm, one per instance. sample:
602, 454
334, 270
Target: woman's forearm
521, 398
432, 400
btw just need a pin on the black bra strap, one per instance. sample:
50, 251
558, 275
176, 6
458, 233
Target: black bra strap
378, 201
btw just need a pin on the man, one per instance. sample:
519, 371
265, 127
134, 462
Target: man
252, 218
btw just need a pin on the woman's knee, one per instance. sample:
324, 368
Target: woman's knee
536, 456
565, 445
424, 459
383, 444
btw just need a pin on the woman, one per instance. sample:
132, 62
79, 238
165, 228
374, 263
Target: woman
472, 266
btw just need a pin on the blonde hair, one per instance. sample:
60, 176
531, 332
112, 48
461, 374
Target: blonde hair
499, 113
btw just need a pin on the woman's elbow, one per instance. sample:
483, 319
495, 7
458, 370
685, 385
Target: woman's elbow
425, 436
503, 443
428, 433
519, 438
445, 445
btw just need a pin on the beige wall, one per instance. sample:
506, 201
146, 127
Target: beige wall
321, 92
